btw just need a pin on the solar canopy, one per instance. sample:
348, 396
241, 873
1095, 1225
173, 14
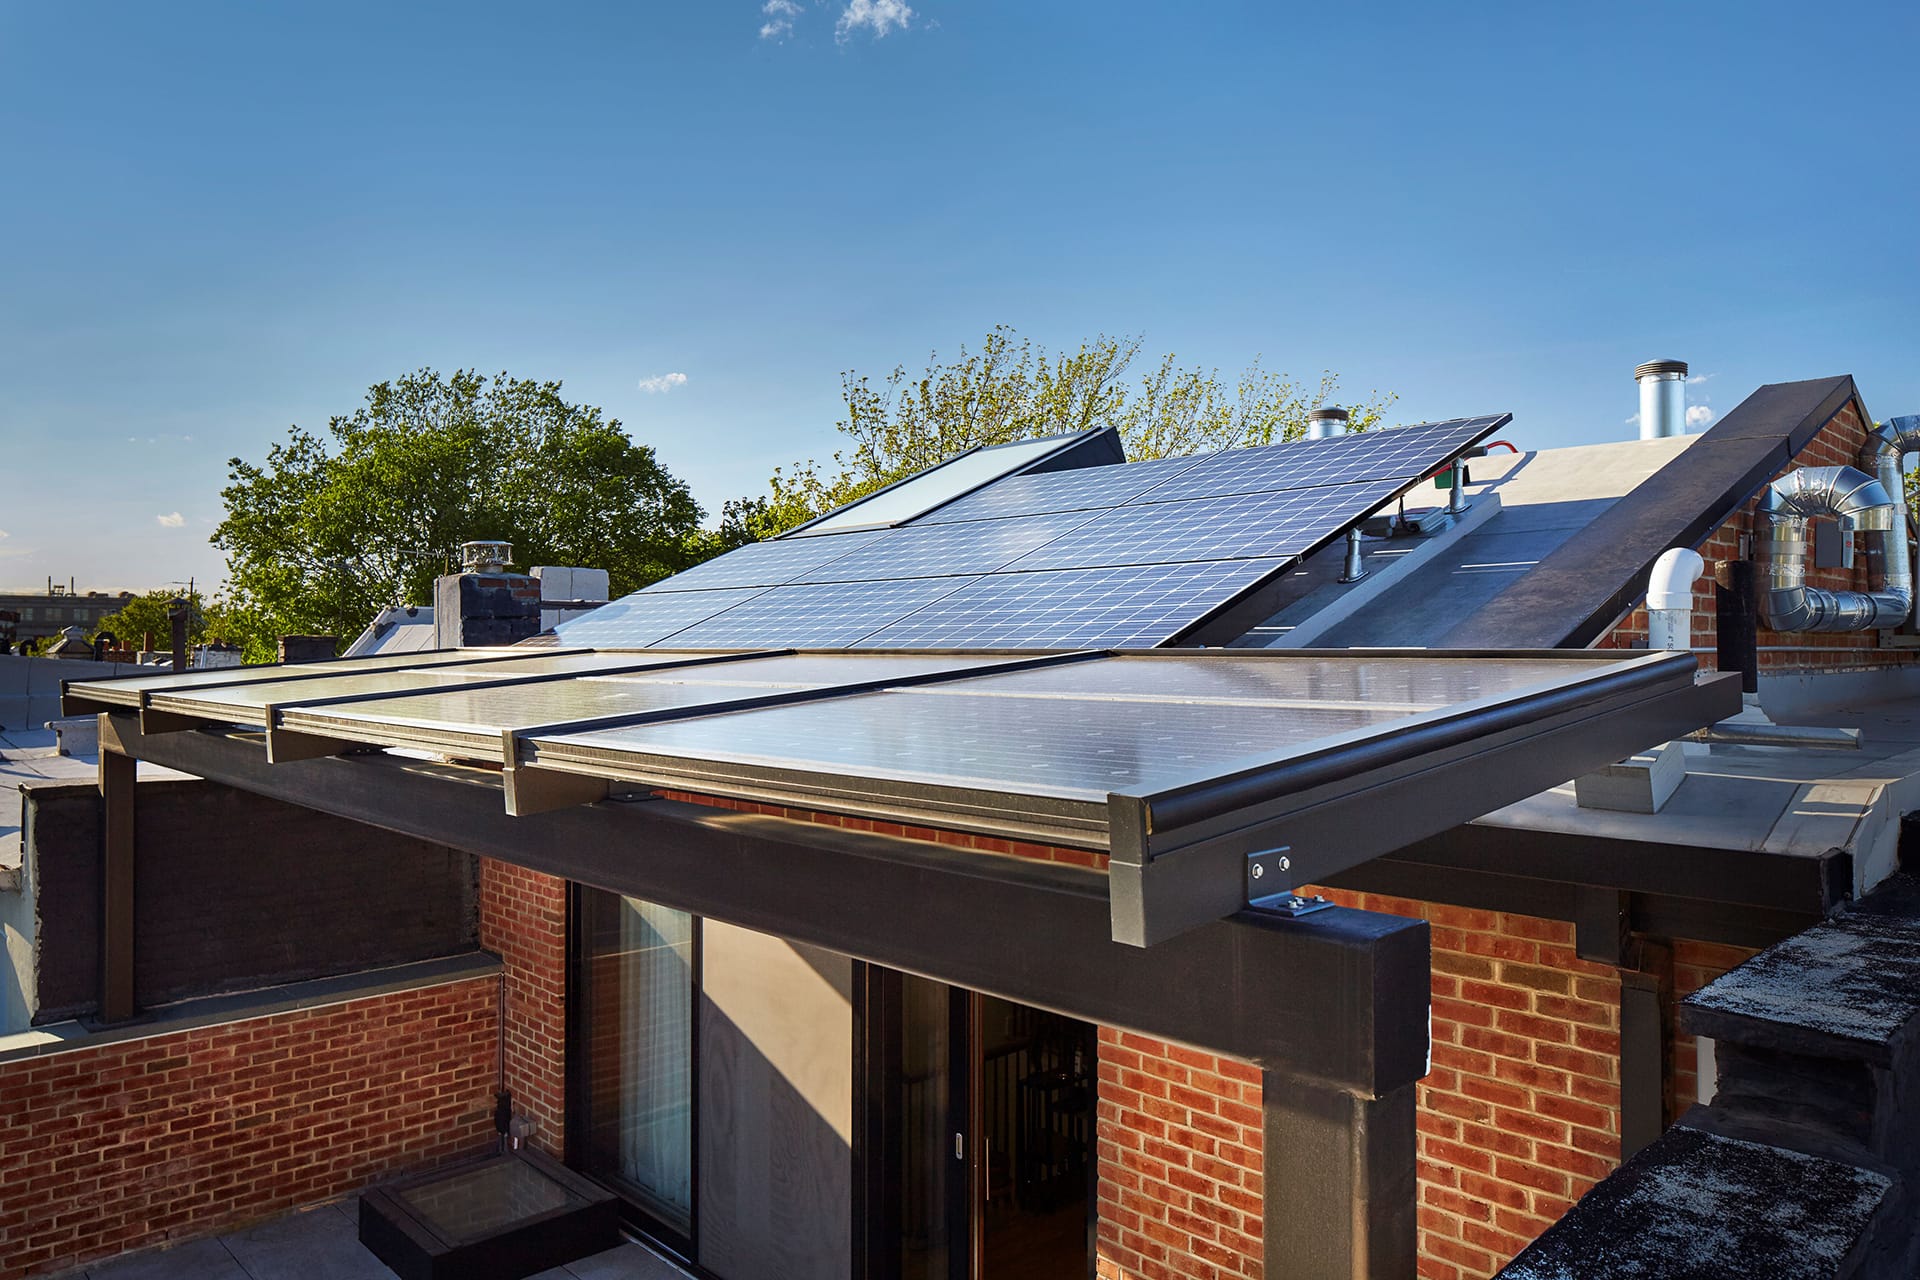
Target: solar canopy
1186, 767
1127, 555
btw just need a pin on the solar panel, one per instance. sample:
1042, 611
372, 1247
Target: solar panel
766, 564
814, 615
1119, 555
929, 551
1288, 523
1074, 609
648, 617
1089, 489
1408, 453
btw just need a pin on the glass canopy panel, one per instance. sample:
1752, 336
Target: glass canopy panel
127, 690
1407, 683
930, 488
478, 713
1070, 748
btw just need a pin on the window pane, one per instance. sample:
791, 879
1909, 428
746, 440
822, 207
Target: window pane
639, 961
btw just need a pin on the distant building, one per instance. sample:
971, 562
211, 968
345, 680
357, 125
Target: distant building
46, 613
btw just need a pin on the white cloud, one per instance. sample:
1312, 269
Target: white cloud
173, 521
4, 534
1634, 421
1698, 415
780, 16
1698, 378
662, 382
879, 16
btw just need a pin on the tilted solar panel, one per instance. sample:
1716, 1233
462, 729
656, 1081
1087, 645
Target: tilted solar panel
1129, 607
1123, 555
1409, 453
648, 617
1089, 489
814, 615
927, 551
767, 564
1241, 526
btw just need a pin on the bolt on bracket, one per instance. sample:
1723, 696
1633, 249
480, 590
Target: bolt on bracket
1270, 885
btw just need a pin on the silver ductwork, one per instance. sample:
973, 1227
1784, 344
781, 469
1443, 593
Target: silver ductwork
1859, 502
1886, 450
1663, 398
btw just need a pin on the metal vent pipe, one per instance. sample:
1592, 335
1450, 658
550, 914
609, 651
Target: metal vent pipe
1663, 398
1859, 502
1326, 422
1885, 454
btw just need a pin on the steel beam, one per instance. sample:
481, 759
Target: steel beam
1337, 999
118, 780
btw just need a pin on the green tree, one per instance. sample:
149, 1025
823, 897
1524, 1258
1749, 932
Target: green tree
210, 620
1012, 389
336, 525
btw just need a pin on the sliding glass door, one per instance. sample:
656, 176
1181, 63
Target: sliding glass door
636, 977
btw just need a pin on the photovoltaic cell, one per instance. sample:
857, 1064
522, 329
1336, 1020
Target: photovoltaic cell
1288, 523
648, 617
1087, 489
767, 564
1074, 609
928, 551
814, 615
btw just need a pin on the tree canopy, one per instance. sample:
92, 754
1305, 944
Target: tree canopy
337, 524
1012, 389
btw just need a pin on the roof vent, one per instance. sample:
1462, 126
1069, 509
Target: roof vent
485, 557
1663, 398
1326, 422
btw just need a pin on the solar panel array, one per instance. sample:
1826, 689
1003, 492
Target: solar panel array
1134, 554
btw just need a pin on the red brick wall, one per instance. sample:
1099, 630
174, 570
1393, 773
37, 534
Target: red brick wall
1521, 1112
1180, 1162
116, 1146
1695, 964
523, 919
1837, 444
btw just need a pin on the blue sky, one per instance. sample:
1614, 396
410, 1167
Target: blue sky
222, 219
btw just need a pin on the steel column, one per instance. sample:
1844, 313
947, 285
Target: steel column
1340, 1183
118, 779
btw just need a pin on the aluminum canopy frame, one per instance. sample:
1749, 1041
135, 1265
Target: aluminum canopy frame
1213, 779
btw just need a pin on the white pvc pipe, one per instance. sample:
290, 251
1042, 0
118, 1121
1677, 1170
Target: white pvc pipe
1670, 598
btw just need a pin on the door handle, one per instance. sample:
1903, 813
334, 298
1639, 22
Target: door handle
959, 1146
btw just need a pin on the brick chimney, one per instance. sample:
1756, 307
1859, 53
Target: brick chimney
485, 604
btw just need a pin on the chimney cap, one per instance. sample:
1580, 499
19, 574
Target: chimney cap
482, 555
1660, 366
1328, 412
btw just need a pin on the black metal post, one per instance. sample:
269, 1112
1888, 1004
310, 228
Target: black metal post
1736, 605
118, 779
1643, 1056
1340, 1182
